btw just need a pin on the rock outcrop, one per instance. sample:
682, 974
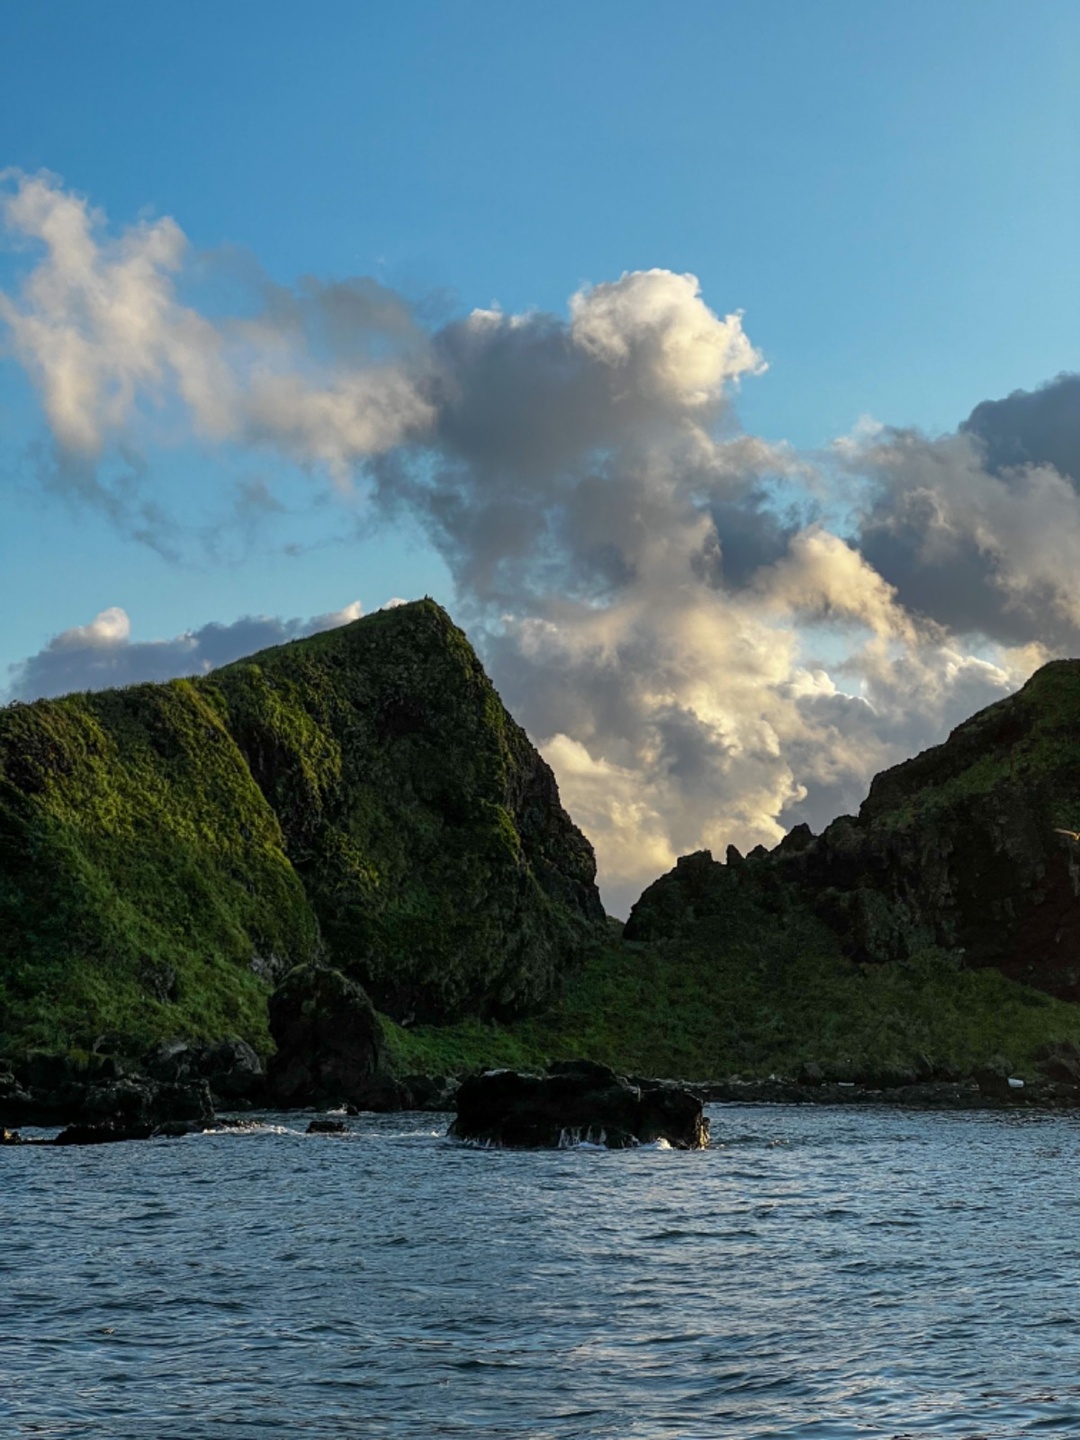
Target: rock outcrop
575, 1101
328, 1040
47, 1090
972, 847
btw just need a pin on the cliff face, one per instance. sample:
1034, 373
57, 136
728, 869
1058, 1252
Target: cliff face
360, 798
426, 829
959, 848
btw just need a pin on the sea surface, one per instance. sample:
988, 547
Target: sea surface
816, 1273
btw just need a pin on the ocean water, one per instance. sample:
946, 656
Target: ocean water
816, 1273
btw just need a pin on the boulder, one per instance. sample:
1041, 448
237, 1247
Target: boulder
1058, 1061
328, 1040
993, 1082
431, 1092
230, 1067
327, 1127
147, 1103
575, 1101
102, 1134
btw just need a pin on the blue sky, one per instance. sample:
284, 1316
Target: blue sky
889, 193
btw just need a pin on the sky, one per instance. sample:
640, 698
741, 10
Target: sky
712, 363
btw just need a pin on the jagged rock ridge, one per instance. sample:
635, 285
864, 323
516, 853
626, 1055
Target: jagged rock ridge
971, 846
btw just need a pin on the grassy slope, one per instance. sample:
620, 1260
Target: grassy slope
751, 995
156, 841
1029, 740
390, 760
140, 871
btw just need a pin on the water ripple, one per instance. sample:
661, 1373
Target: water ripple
815, 1275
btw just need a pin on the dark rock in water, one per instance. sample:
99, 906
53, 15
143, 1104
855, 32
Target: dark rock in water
10, 1137
126, 1103
574, 1101
102, 1134
327, 1127
99, 1098
176, 1129
328, 1039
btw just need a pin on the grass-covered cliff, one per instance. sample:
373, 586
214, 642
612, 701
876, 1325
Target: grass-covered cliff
939, 927
361, 798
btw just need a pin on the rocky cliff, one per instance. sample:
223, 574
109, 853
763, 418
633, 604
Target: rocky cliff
360, 799
970, 847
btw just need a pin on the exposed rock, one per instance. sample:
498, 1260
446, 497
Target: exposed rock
230, 1067
970, 847
328, 1040
993, 1081
103, 1134
1060, 1061
431, 1092
127, 1103
575, 1101
327, 1127
383, 1093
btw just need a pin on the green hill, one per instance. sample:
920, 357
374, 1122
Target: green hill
938, 928
359, 798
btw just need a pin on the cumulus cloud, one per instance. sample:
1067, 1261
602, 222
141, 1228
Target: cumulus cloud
662, 599
99, 327
980, 529
102, 653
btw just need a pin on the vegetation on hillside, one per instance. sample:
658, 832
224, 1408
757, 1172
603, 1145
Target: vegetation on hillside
362, 796
748, 994
141, 873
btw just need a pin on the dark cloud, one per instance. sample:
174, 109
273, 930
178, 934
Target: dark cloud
1031, 427
979, 531
101, 655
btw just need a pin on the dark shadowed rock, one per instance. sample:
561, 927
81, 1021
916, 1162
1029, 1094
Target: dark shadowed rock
970, 848
993, 1082
131, 1102
431, 1092
327, 1127
230, 1067
1060, 1061
575, 1100
328, 1040
102, 1134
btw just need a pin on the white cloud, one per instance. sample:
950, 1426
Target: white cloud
100, 329
704, 658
